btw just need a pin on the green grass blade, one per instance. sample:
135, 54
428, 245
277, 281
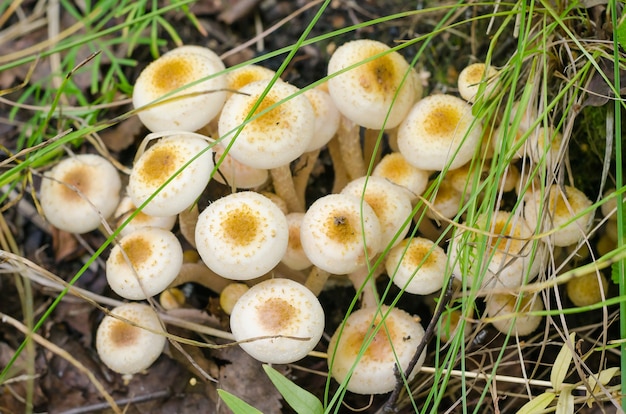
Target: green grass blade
302, 401
236, 404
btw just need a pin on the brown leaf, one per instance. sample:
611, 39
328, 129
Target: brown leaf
123, 135
598, 90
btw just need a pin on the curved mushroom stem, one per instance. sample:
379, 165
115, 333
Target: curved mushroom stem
372, 149
349, 139
361, 279
284, 187
339, 168
303, 170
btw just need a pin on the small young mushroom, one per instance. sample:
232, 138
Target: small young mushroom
242, 236
160, 162
390, 349
80, 192
439, 132
284, 310
335, 235
390, 202
395, 168
587, 289
417, 265
562, 213
507, 259
172, 71
144, 263
473, 76
295, 257
510, 312
126, 348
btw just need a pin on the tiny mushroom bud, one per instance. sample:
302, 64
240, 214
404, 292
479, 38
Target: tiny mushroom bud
242, 236
587, 289
365, 93
144, 263
507, 312
471, 78
564, 210
231, 295
126, 348
80, 192
393, 344
417, 265
439, 131
160, 162
284, 310
172, 71
333, 233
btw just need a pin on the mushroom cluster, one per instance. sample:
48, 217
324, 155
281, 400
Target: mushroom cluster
265, 134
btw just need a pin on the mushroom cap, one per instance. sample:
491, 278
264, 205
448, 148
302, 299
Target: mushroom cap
471, 78
395, 168
125, 348
172, 71
446, 202
98, 185
417, 265
295, 257
278, 307
365, 93
507, 258
126, 207
242, 236
242, 76
439, 131
560, 207
505, 304
390, 202
374, 373
276, 137
333, 231
159, 163
155, 257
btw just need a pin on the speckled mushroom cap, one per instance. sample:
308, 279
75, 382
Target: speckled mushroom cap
417, 265
472, 76
374, 372
508, 259
160, 162
125, 348
144, 263
333, 231
240, 77
242, 236
276, 137
278, 307
326, 117
503, 307
562, 212
395, 168
174, 70
439, 131
365, 93
237, 174
390, 202
80, 192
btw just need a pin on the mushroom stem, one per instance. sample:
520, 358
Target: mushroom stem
372, 151
361, 279
350, 146
339, 168
316, 280
303, 170
199, 273
284, 187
